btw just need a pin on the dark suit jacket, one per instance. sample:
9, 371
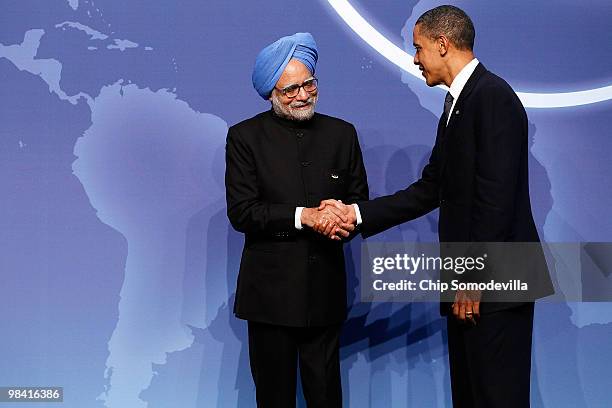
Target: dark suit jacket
477, 175
290, 277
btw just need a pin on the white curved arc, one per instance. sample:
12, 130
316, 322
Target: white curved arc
403, 60
565, 99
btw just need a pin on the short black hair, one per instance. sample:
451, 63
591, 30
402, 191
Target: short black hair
451, 22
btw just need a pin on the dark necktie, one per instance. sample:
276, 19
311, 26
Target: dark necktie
448, 104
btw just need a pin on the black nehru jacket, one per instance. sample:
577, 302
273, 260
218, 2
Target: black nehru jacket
287, 276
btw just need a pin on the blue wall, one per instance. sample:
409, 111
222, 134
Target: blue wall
118, 264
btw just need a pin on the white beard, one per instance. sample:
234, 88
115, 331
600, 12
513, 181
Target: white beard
289, 111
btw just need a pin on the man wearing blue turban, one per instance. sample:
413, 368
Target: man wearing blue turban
280, 164
272, 60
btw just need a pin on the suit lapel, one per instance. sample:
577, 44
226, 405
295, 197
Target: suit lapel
446, 132
465, 93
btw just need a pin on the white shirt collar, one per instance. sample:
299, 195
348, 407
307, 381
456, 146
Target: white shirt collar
462, 78
459, 83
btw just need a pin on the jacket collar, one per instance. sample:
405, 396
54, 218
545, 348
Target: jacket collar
294, 124
466, 91
471, 83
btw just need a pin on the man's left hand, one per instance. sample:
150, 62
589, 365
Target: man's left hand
467, 305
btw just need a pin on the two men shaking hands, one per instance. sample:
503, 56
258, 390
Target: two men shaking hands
332, 218
292, 286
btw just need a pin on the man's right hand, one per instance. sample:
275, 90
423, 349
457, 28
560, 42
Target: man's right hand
347, 209
342, 210
328, 220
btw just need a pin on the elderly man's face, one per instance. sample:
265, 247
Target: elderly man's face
302, 106
427, 57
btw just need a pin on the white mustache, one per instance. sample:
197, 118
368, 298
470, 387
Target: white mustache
301, 104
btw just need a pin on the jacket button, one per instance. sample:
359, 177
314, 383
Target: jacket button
305, 163
299, 134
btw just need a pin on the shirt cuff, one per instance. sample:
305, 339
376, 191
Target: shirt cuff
298, 218
357, 214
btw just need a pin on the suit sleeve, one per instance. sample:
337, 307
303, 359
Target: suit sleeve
418, 199
500, 141
246, 210
357, 189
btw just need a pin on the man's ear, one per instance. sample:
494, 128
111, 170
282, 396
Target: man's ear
442, 43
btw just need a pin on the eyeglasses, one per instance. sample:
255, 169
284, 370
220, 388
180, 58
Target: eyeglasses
291, 91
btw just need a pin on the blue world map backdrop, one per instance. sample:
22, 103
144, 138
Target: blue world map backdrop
118, 264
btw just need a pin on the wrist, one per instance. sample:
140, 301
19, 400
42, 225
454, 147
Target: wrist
352, 216
307, 217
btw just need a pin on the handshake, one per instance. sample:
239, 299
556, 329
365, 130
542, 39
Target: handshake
332, 219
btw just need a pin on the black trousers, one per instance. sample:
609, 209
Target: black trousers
274, 352
490, 363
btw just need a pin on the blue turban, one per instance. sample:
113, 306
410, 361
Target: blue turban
272, 60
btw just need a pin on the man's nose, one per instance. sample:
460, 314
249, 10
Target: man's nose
302, 95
